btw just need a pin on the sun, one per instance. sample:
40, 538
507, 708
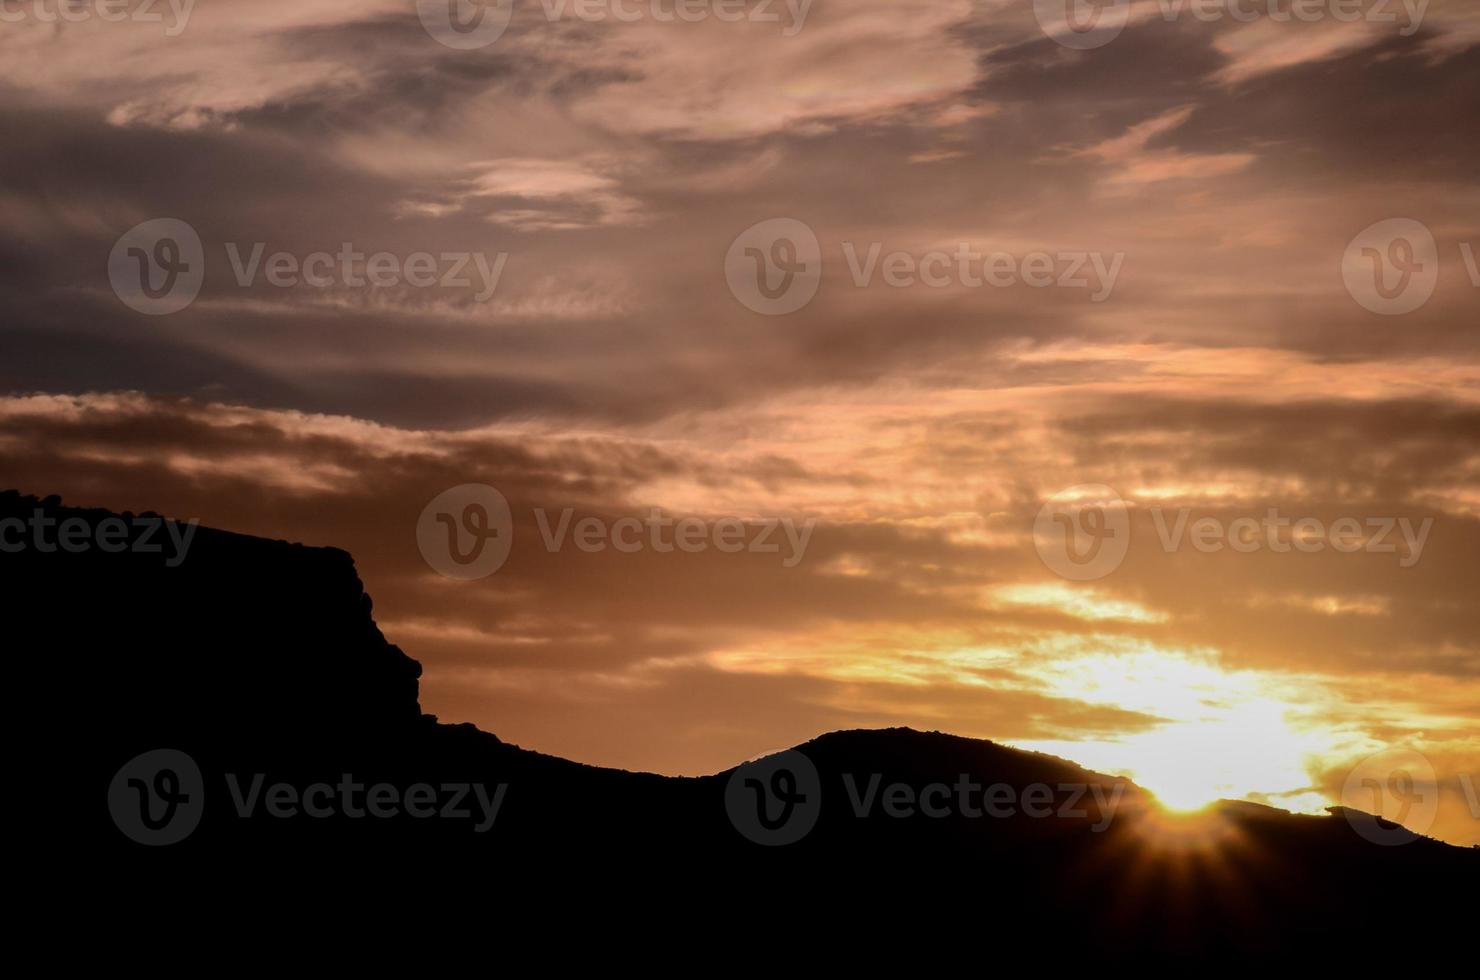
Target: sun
1222, 734
1185, 798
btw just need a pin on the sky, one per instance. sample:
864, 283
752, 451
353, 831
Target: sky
948, 294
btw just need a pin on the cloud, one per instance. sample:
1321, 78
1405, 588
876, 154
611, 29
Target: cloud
1266, 46
612, 371
556, 194
1136, 164
895, 614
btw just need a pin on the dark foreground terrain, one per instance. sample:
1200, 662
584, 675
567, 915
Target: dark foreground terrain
302, 771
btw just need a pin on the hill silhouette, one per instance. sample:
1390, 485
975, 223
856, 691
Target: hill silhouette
260, 663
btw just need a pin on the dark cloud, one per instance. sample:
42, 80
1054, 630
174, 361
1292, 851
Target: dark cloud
613, 371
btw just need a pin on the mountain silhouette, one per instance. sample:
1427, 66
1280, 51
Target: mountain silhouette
257, 664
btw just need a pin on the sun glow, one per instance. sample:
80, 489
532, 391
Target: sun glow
1204, 831
1225, 734
1080, 603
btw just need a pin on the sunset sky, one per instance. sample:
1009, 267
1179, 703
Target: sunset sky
1227, 369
